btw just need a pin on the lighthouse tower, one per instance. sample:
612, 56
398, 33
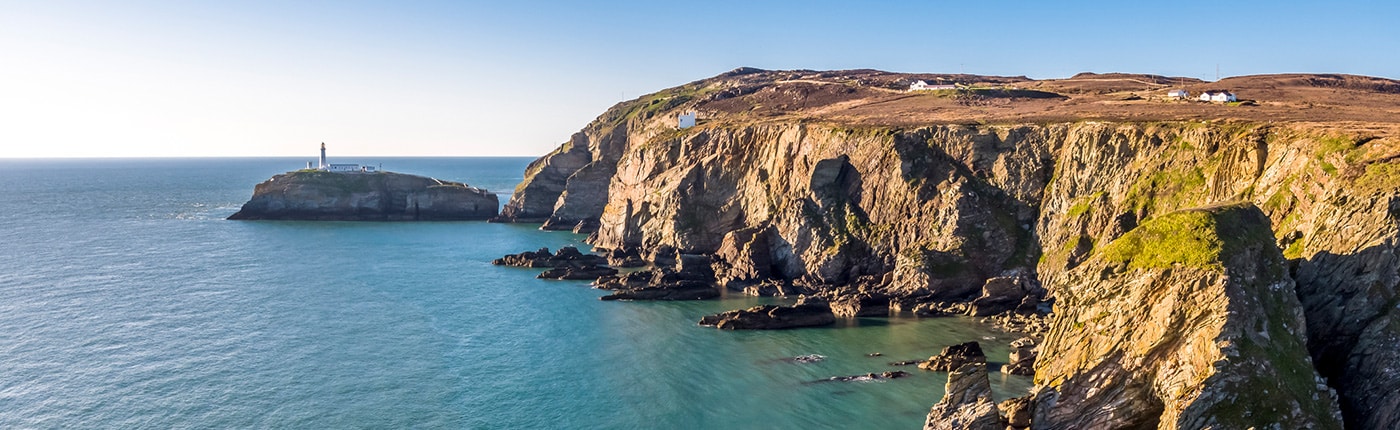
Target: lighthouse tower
323, 157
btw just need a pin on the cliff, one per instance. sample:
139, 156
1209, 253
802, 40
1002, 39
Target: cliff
379, 196
839, 181
1188, 321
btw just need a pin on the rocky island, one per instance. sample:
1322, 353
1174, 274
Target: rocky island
320, 195
1177, 262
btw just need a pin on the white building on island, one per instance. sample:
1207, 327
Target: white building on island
340, 167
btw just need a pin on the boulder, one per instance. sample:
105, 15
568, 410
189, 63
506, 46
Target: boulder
1016, 413
967, 402
1006, 293
1022, 360
937, 309
861, 305
954, 357
625, 258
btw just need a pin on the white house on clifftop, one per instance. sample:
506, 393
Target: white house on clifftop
1219, 96
925, 86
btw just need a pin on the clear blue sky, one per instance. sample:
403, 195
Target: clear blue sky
252, 78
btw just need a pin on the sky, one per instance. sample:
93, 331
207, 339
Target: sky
516, 78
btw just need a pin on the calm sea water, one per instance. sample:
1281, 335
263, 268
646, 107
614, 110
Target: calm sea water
126, 301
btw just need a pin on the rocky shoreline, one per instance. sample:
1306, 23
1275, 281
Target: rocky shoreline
1083, 234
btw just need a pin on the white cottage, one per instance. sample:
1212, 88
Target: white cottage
685, 120
1218, 96
1178, 94
925, 86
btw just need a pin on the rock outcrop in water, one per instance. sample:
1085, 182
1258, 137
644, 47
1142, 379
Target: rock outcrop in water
358, 196
772, 317
968, 202
967, 402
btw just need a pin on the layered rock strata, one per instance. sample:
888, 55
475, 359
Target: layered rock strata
1190, 320
967, 402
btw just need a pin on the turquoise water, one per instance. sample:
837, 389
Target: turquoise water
126, 301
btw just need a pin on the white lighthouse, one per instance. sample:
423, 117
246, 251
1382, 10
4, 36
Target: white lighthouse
323, 157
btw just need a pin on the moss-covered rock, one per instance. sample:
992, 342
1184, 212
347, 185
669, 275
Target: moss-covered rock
1188, 321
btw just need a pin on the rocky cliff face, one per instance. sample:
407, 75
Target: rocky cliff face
929, 212
1190, 320
381, 196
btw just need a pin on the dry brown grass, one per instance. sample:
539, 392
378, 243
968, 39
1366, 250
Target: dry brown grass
870, 97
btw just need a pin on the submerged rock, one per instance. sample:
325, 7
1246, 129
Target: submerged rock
360, 196
967, 402
895, 374
809, 358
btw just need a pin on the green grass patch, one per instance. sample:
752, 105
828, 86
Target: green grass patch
1294, 250
1188, 238
1380, 177
1084, 205
1166, 190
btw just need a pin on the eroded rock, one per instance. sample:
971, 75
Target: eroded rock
861, 305
567, 256
1022, 361
1189, 320
679, 290
967, 402
955, 356
772, 317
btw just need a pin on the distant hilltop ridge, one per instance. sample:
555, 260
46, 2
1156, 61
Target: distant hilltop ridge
1100, 196
873, 97
350, 192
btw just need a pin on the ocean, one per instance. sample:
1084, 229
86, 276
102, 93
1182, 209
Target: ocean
127, 301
